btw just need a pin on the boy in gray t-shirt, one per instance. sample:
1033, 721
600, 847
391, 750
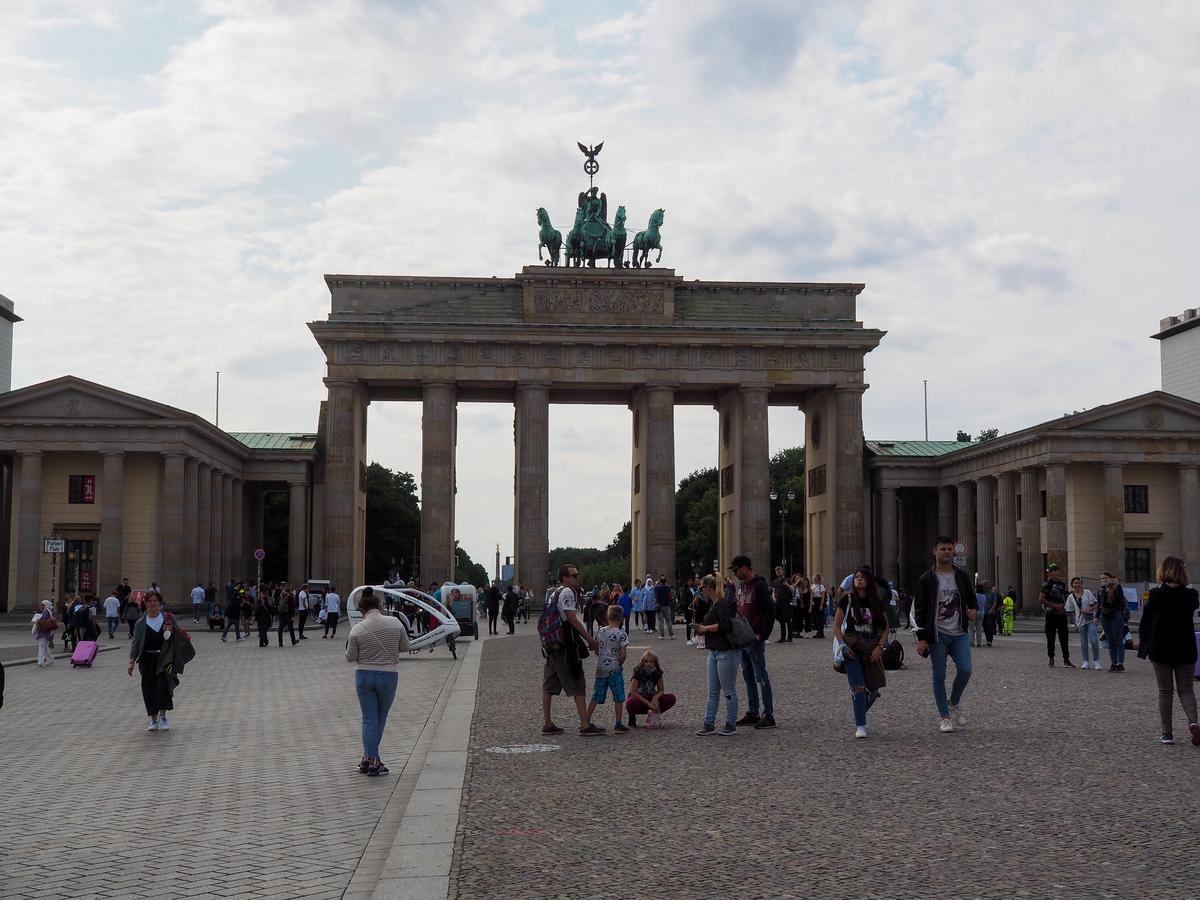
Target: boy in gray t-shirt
610, 657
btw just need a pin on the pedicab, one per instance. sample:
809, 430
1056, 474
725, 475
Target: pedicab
461, 602
443, 626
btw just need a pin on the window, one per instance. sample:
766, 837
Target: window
1019, 516
1043, 504
727, 481
816, 481
637, 479
1137, 563
1137, 500
81, 489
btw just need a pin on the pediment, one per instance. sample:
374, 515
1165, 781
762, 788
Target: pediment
1155, 412
69, 398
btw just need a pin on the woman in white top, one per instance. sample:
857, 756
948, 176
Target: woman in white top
1085, 618
375, 646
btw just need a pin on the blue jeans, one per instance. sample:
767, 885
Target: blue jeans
722, 679
1088, 638
958, 647
754, 673
113, 624
862, 698
232, 622
1115, 626
376, 691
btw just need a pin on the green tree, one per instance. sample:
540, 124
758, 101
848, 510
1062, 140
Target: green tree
469, 571
787, 474
696, 519
393, 523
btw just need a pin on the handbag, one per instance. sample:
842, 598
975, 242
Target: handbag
839, 661
742, 634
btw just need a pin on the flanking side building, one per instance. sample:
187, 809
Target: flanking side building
139, 490
1114, 488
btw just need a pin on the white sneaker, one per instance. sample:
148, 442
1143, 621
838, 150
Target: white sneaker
153, 726
162, 724
1099, 666
957, 714
946, 727
860, 732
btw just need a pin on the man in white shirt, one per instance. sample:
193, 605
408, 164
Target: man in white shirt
197, 601
333, 609
302, 608
112, 612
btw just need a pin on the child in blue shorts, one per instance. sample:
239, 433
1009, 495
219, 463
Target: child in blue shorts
610, 656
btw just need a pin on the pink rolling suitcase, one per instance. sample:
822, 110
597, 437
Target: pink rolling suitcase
84, 655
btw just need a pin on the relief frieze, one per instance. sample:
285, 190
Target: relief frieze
598, 300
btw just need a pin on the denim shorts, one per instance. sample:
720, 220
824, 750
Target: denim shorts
615, 682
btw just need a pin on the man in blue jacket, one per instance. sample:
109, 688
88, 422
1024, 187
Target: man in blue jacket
945, 606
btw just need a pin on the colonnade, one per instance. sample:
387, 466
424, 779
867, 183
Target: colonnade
1009, 537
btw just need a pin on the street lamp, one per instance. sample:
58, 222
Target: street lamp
791, 496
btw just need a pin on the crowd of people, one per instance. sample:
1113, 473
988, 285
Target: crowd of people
947, 613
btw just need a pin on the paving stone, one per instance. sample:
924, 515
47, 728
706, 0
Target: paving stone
260, 756
1052, 761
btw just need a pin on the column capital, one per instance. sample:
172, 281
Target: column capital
297, 482
521, 385
437, 383
341, 382
29, 453
172, 454
112, 452
755, 388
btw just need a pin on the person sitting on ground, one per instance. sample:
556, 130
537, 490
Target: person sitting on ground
647, 692
610, 659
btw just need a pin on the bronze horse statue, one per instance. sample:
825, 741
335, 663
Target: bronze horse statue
549, 237
645, 241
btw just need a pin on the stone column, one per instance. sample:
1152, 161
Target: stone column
203, 533
754, 486
1006, 532
653, 482
1189, 518
112, 522
946, 521
297, 532
889, 552
438, 436
965, 525
216, 536
227, 553
1031, 540
171, 574
985, 529
243, 564
1056, 517
531, 484
1114, 520
344, 496
29, 532
191, 515
904, 540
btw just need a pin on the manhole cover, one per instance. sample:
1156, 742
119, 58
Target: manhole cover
524, 748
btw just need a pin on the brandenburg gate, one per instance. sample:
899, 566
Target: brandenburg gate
643, 337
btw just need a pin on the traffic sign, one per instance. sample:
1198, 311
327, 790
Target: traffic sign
960, 549
260, 554
56, 545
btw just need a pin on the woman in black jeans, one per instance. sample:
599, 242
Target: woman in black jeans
1165, 635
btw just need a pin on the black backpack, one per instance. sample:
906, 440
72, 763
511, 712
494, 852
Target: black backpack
893, 656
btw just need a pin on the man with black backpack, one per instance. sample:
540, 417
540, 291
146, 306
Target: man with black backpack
754, 605
561, 634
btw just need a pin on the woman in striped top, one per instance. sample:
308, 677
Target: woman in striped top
375, 646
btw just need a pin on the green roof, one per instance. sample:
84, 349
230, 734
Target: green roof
275, 440
915, 448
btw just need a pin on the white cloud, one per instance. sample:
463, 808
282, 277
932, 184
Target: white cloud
1004, 179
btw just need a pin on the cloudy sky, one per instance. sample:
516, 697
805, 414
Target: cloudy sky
1016, 184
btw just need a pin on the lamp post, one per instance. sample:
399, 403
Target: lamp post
791, 496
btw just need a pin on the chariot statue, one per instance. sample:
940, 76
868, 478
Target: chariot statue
591, 237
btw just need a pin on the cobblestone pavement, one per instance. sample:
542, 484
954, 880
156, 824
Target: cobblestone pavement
1057, 787
252, 793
